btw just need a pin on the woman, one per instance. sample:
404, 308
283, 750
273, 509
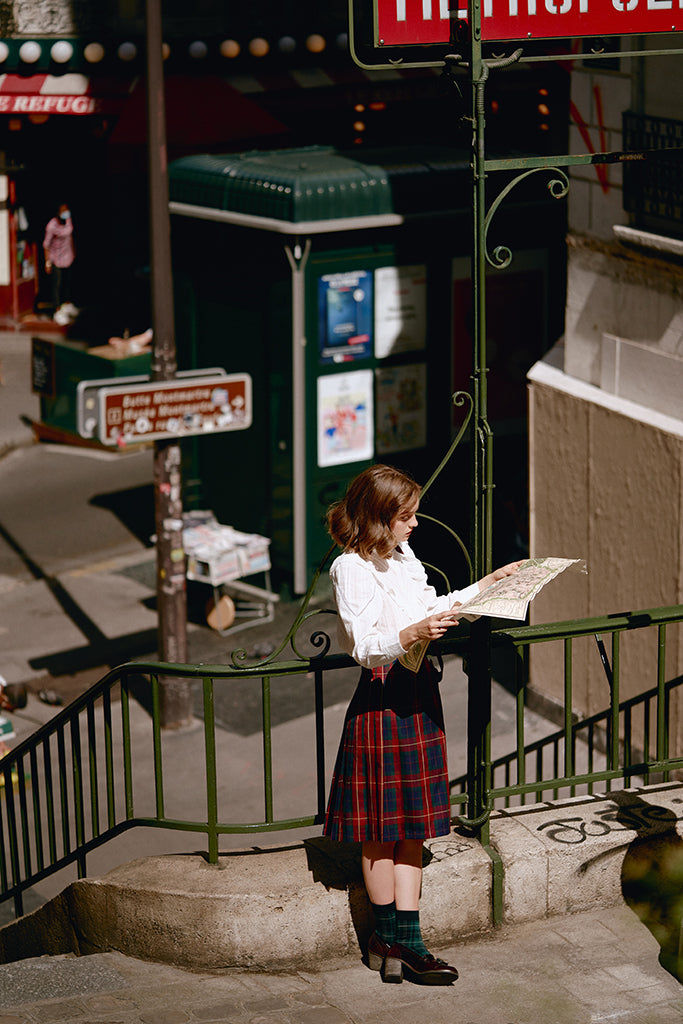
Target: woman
390, 786
60, 252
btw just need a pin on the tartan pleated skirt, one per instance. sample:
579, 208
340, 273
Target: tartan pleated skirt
390, 780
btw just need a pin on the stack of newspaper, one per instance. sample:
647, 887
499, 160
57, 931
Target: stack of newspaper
218, 553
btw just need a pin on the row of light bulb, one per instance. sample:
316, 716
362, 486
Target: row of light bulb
62, 51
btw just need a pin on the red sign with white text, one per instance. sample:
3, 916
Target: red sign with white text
418, 22
37, 104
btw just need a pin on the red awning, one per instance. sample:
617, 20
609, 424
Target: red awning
200, 111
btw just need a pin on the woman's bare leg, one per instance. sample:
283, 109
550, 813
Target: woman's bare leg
378, 872
408, 874
393, 871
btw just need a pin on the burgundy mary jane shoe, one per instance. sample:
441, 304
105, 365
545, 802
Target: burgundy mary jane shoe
424, 970
377, 960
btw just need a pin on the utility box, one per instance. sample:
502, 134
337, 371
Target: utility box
332, 282
57, 367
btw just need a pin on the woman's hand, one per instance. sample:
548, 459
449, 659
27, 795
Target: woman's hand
431, 628
500, 574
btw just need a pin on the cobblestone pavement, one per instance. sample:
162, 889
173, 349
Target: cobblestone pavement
586, 968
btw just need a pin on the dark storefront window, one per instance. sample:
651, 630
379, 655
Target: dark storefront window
653, 188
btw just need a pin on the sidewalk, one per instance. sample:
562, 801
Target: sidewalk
583, 969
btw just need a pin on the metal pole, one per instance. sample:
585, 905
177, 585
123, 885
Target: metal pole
297, 256
482, 450
176, 704
479, 673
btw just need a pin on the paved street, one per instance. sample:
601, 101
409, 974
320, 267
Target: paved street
586, 969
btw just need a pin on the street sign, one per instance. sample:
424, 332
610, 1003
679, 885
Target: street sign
196, 402
420, 22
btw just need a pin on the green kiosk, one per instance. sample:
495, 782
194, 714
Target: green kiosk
341, 287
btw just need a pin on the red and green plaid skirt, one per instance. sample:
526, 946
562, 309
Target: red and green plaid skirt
391, 777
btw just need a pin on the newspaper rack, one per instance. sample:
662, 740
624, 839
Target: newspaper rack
220, 556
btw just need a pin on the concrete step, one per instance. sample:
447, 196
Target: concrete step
299, 906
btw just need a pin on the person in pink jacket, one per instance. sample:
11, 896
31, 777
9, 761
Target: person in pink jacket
60, 253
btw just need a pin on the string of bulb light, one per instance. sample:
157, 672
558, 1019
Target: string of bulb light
62, 51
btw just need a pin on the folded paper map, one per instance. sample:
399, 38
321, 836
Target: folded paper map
508, 598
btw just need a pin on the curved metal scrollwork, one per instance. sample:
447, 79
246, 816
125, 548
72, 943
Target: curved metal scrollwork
320, 639
459, 398
558, 188
476, 823
458, 541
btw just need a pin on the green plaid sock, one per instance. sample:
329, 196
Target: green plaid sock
408, 931
385, 921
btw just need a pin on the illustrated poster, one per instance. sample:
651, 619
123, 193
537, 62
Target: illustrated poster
400, 310
345, 316
401, 408
345, 418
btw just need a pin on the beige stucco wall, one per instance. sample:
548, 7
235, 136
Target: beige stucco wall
606, 411
607, 486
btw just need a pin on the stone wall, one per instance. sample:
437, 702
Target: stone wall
51, 17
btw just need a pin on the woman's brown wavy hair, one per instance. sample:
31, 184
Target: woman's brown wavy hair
361, 520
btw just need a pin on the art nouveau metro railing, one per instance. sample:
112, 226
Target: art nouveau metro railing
75, 784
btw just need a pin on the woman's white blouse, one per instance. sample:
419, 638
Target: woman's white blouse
379, 597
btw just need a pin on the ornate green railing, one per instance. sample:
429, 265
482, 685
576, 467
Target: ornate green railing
76, 783
627, 740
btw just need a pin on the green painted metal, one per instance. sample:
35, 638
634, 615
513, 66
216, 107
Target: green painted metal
92, 765
307, 184
211, 770
527, 163
267, 750
77, 778
127, 766
662, 708
320, 744
63, 798
109, 757
158, 757
614, 722
568, 705
40, 835
49, 790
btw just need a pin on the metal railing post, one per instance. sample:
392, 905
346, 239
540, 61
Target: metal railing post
211, 770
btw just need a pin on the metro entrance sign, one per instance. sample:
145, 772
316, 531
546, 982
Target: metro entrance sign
193, 403
420, 22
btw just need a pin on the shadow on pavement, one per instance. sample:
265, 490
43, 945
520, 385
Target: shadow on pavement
134, 507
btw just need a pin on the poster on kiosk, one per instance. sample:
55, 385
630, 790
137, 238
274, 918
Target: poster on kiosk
369, 373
